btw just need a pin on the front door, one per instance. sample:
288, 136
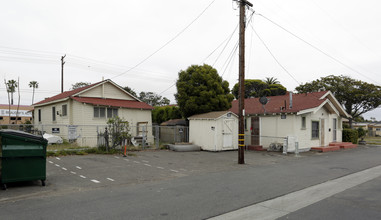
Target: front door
227, 133
255, 131
334, 130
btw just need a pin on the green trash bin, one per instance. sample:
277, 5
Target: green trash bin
22, 157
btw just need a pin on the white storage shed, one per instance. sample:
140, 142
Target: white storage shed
214, 131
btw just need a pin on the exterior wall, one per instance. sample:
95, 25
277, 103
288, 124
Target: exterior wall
107, 90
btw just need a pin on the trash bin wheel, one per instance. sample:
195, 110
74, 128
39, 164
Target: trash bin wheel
43, 182
3, 186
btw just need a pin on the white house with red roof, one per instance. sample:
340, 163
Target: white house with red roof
311, 119
84, 109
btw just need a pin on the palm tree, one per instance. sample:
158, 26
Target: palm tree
12, 85
34, 85
271, 80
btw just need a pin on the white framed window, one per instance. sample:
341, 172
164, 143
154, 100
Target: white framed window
64, 110
54, 113
112, 112
303, 122
99, 112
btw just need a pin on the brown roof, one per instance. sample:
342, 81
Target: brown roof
280, 104
174, 122
209, 115
114, 102
66, 94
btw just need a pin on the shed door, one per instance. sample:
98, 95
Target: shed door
322, 132
334, 130
227, 133
254, 130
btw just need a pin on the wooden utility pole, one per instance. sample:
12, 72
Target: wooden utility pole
62, 73
241, 101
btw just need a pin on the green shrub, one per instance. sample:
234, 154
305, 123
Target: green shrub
350, 135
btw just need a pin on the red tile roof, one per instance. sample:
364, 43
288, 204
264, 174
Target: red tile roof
300, 102
114, 102
66, 94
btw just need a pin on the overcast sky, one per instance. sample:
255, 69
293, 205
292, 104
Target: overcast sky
105, 38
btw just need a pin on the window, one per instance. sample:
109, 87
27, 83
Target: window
54, 113
99, 112
142, 128
39, 115
303, 122
1, 118
112, 112
315, 129
378, 129
64, 110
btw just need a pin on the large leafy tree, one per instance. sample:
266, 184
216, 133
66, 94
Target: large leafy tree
79, 85
164, 113
356, 96
259, 88
200, 89
153, 99
34, 85
130, 90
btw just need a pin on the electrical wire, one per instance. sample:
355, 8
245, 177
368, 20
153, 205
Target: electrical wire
168, 42
316, 48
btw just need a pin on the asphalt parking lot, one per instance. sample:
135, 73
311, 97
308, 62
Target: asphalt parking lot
70, 174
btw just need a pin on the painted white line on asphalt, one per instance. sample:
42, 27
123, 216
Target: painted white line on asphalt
112, 180
126, 159
116, 157
174, 171
82, 176
144, 161
58, 158
160, 168
64, 168
57, 165
73, 172
148, 165
95, 181
283, 205
50, 161
80, 168
136, 161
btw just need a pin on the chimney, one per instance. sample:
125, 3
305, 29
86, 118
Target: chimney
290, 100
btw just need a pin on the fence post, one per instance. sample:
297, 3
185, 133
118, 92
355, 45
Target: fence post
144, 138
296, 149
157, 136
174, 134
285, 145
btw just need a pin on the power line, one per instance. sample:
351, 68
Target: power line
316, 48
168, 42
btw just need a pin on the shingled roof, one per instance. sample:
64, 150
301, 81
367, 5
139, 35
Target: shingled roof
74, 94
281, 104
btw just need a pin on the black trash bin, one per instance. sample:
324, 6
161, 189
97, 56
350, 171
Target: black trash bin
22, 157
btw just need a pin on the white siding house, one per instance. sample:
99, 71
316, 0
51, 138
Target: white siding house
312, 120
214, 131
88, 109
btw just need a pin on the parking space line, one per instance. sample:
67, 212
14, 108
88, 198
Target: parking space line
82, 176
112, 180
64, 168
174, 171
160, 168
136, 161
73, 172
116, 157
58, 158
95, 181
126, 159
80, 168
57, 165
144, 161
148, 165
50, 161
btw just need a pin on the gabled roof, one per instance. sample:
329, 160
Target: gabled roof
75, 95
113, 102
301, 103
210, 115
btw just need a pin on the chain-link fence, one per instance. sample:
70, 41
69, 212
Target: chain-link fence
100, 135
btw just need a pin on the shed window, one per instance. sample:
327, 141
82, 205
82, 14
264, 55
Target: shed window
315, 129
64, 110
54, 113
99, 112
39, 115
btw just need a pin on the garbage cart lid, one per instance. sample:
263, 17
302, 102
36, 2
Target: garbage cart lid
16, 133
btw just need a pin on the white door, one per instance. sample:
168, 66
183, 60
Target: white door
227, 133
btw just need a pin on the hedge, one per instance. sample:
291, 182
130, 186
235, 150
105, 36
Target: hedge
350, 135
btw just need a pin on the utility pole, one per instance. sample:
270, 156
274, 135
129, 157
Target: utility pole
241, 101
62, 73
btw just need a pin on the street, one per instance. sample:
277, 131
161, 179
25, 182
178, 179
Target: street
193, 185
